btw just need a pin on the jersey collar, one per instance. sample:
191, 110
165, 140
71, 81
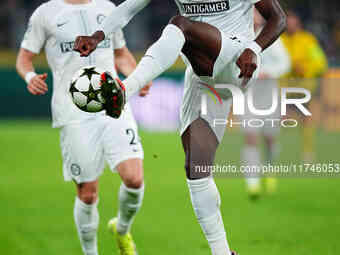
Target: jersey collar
79, 6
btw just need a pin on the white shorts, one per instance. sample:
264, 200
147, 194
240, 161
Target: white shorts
88, 145
206, 102
262, 93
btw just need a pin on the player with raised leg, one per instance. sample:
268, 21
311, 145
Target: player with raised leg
88, 140
217, 41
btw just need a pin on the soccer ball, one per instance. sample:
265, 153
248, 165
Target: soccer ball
85, 89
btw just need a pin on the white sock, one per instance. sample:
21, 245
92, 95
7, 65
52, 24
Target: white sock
130, 200
158, 58
87, 219
251, 157
206, 202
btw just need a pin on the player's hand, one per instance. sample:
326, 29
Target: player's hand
247, 63
145, 90
37, 85
85, 45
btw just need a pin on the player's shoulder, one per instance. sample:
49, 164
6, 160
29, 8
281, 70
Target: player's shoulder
304, 34
307, 36
286, 38
280, 40
47, 7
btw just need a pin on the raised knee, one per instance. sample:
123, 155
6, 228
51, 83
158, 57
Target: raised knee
181, 22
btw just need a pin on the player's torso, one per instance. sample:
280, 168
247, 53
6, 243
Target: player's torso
63, 23
66, 23
231, 16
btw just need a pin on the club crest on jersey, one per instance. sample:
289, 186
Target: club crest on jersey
204, 8
100, 18
75, 169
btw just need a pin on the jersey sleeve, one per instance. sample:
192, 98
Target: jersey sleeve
125, 11
35, 36
118, 39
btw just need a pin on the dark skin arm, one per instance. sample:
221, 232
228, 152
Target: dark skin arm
247, 62
275, 25
85, 45
276, 22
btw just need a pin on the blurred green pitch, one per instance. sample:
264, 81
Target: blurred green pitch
37, 205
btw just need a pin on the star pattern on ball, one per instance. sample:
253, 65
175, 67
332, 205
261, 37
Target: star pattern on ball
91, 94
89, 72
73, 89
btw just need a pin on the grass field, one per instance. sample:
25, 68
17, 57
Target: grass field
36, 214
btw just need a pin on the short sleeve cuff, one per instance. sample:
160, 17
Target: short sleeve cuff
120, 44
31, 48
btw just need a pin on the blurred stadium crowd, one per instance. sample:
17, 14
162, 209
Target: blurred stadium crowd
319, 17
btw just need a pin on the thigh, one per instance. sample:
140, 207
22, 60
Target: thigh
202, 44
82, 151
200, 144
226, 70
121, 141
200, 100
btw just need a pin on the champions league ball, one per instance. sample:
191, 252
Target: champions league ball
85, 89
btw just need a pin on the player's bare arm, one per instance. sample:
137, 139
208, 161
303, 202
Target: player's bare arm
126, 64
118, 18
275, 25
36, 84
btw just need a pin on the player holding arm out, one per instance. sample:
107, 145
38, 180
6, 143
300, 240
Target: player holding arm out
125, 12
218, 41
269, 9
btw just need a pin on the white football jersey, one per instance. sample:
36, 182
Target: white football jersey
275, 60
54, 27
234, 17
